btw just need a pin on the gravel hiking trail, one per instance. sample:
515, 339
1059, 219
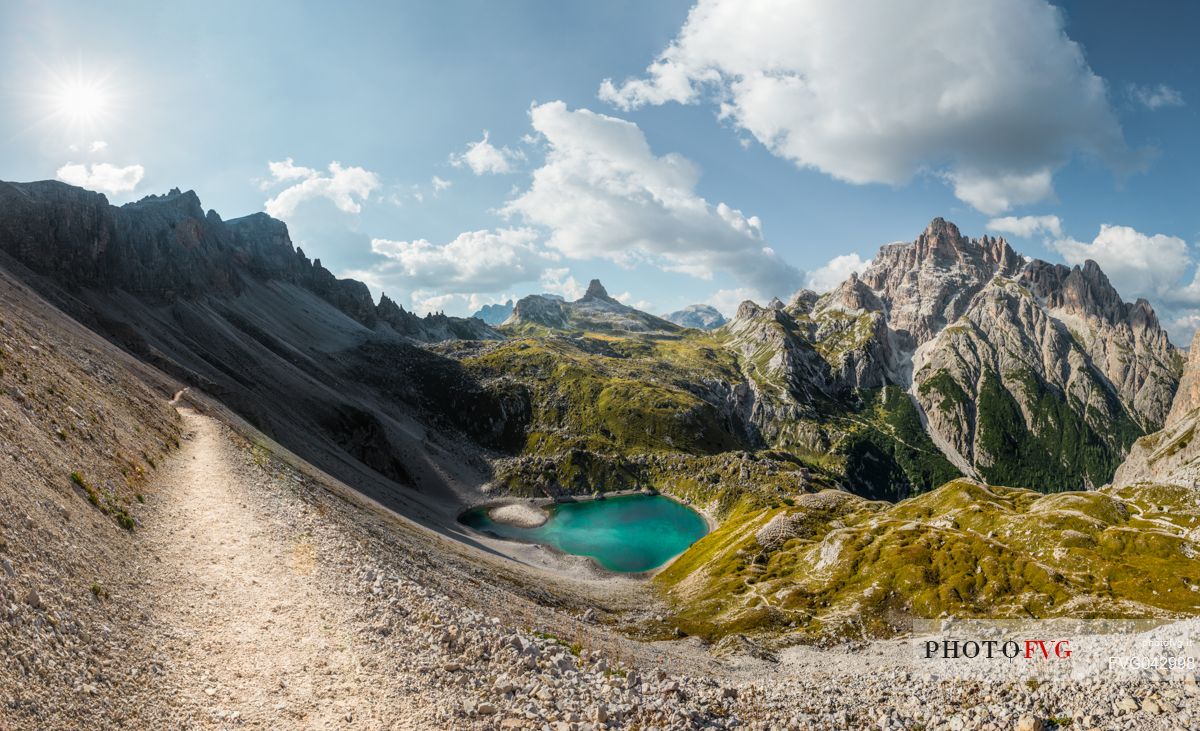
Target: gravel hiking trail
254, 635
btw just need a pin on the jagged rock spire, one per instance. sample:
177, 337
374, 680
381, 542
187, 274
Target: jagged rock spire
596, 290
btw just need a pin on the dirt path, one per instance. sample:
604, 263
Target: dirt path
256, 636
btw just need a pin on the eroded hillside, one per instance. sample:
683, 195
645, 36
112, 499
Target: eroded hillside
83, 431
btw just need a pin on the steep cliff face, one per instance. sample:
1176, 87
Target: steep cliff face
1124, 341
849, 327
161, 246
792, 383
1171, 456
1013, 394
1187, 396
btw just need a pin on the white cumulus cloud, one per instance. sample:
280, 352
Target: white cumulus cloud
601, 192
834, 272
98, 146
1156, 96
1137, 264
992, 95
1027, 226
727, 300
102, 177
346, 187
559, 280
475, 261
483, 157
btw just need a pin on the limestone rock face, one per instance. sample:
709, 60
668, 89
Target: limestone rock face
803, 301
849, 326
928, 284
787, 375
1014, 365
1187, 397
1125, 341
538, 310
1014, 395
596, 291
1171, 456
854, 295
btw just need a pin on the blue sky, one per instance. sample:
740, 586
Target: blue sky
768, 142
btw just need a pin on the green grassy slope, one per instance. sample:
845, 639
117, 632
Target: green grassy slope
843, 565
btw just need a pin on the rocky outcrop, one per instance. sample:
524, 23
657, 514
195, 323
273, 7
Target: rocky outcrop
849, 327
803, 302
853, 295
596, 291
791, 381
537, 309
1187, 396
1171, 456
700, 317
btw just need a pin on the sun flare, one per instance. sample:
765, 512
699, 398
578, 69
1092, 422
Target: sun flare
81, 102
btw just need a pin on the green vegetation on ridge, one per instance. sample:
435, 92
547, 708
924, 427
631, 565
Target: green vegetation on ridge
838, 564
889, 455
1059, 449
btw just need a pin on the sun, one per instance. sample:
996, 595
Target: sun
81, 102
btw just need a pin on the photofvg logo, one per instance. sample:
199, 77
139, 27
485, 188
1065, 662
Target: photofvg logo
1007, 651
949, 648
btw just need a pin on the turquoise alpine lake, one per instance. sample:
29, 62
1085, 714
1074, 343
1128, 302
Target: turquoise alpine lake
626, 534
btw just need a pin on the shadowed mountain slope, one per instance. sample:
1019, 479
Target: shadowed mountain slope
232, 308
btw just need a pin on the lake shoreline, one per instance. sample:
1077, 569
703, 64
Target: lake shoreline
521, 515
648, 529
545, 502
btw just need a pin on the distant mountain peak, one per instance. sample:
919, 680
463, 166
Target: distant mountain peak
701, 317
596, 290
747, 309
941, 228
496, 313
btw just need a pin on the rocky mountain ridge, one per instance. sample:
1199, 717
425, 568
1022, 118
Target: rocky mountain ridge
165, 247
233, 310
1024, 372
